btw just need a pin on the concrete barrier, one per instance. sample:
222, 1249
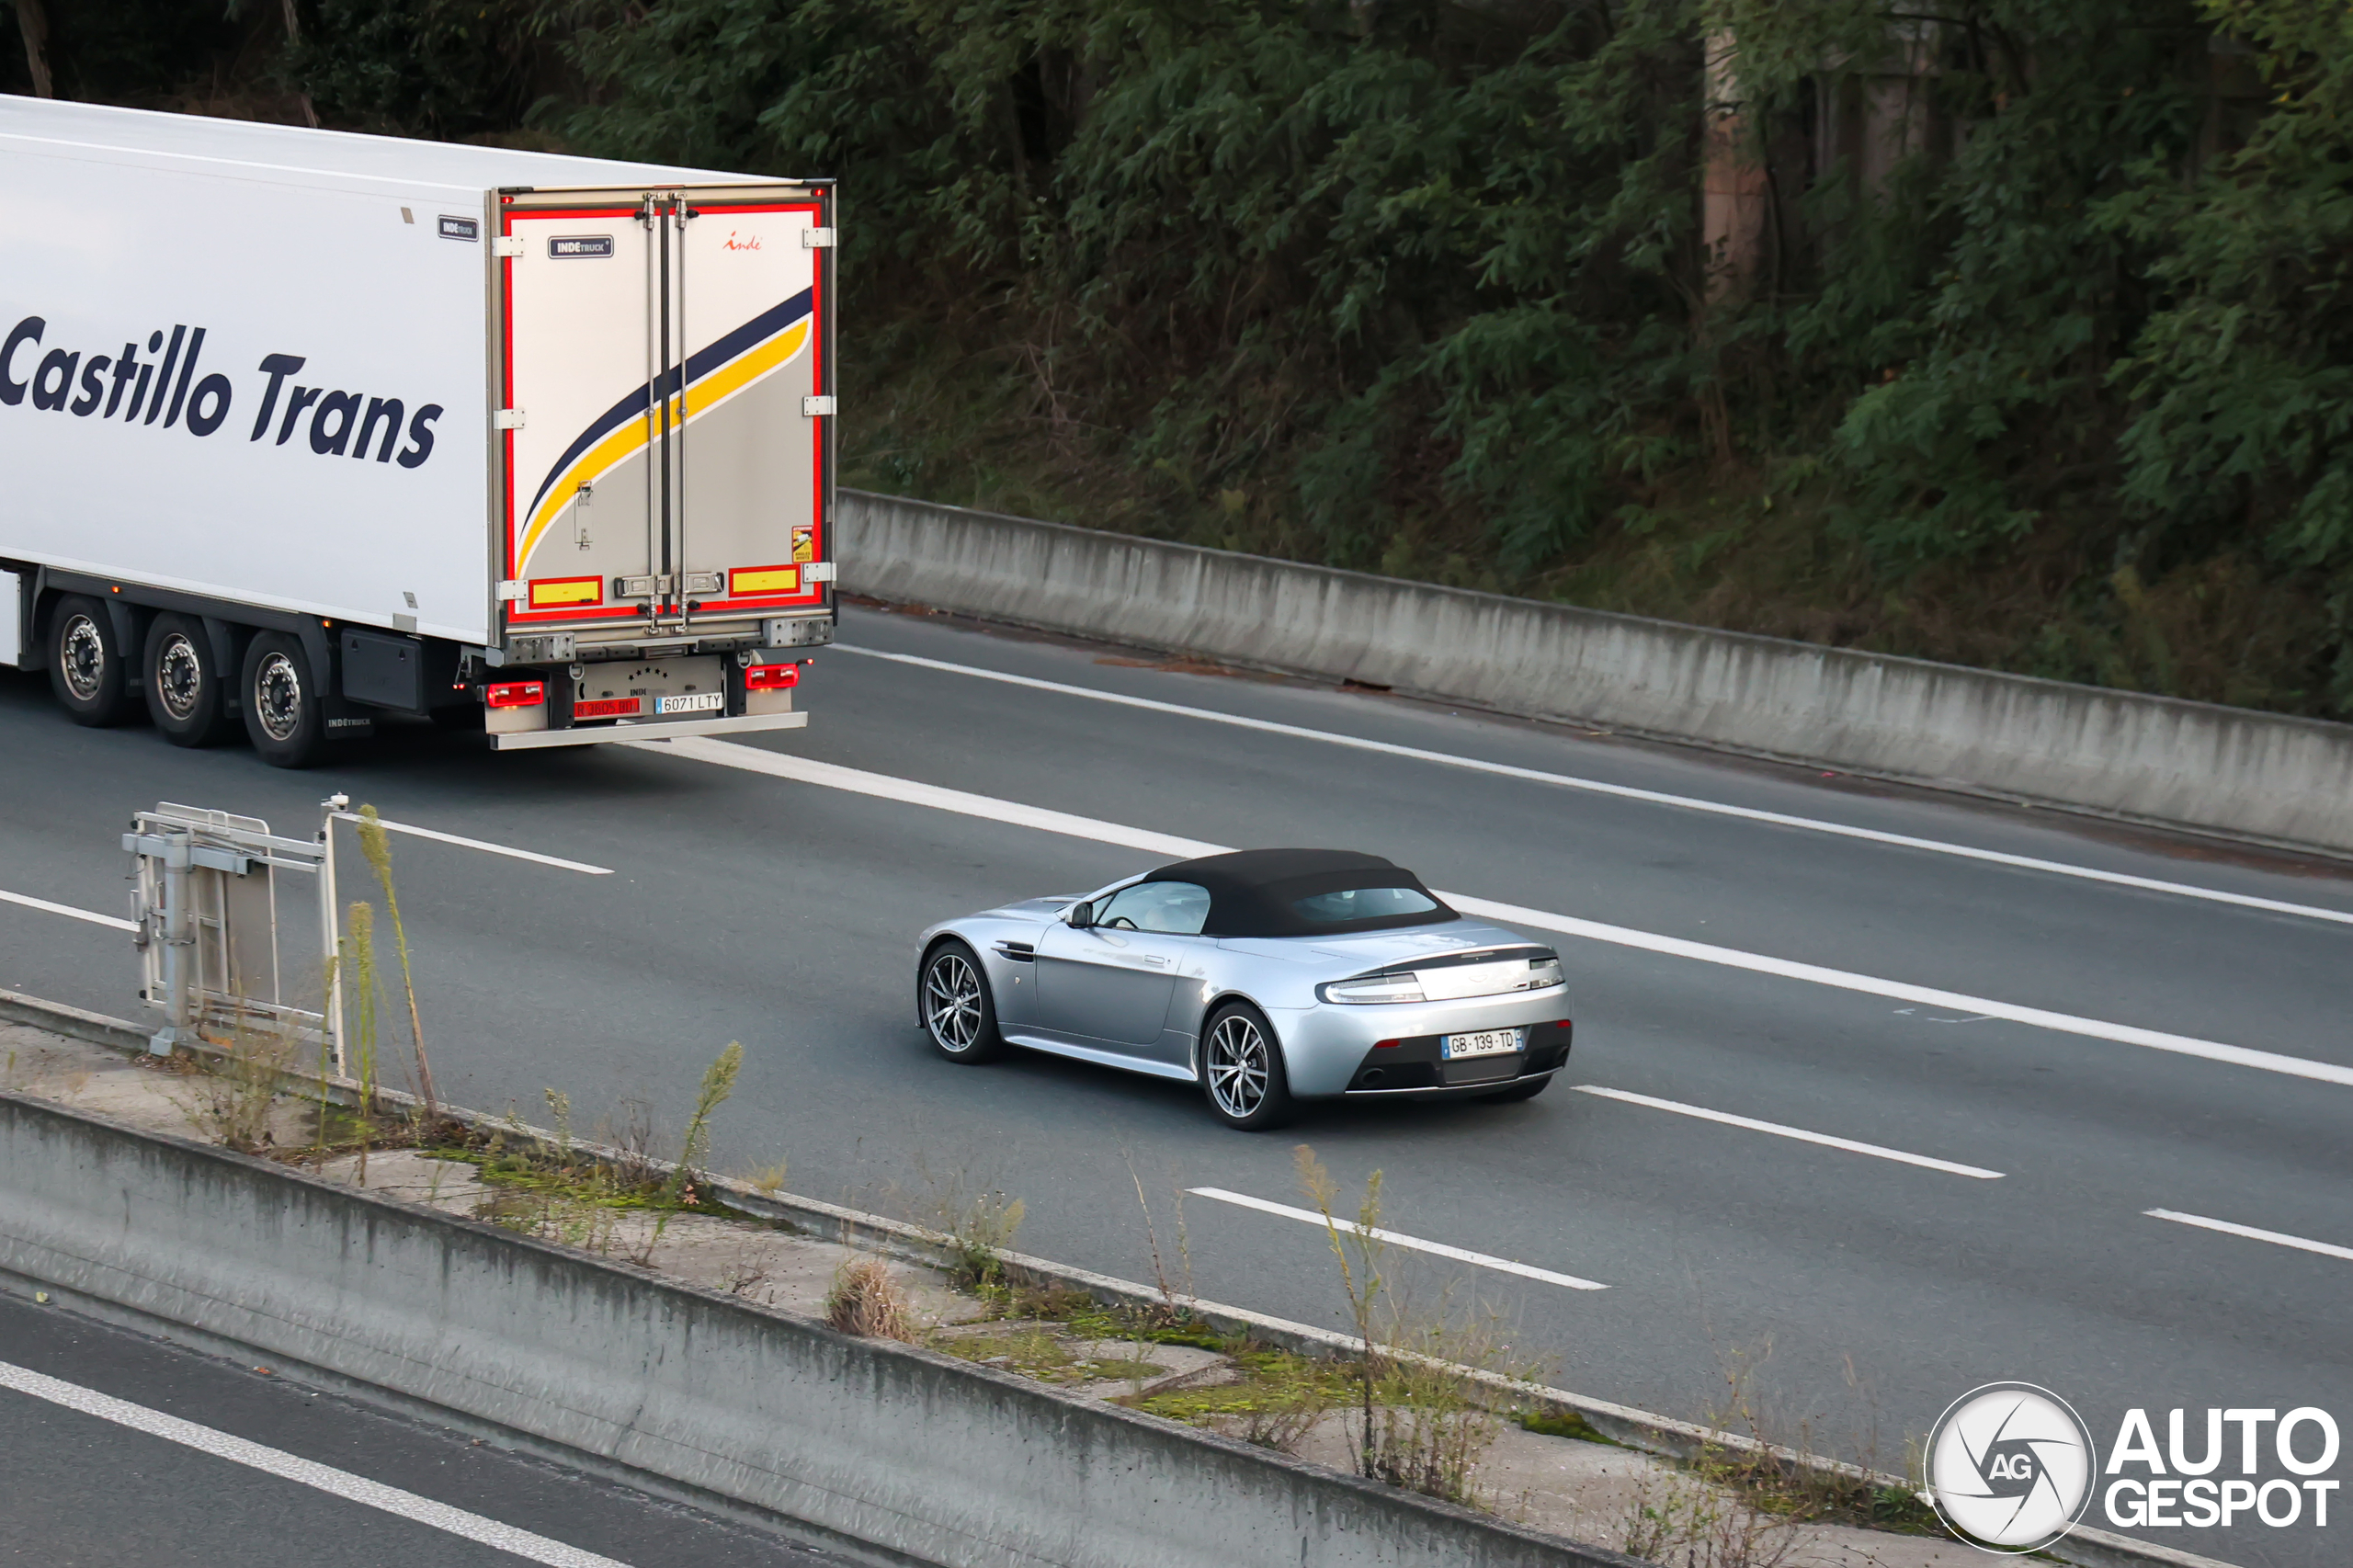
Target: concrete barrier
2119, 754
894, 1449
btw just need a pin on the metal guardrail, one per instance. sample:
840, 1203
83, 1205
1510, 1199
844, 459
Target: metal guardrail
2266, 778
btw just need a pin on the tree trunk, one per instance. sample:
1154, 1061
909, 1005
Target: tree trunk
34, 24
294, 37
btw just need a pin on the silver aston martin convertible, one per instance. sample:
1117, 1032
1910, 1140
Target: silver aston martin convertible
1266, 976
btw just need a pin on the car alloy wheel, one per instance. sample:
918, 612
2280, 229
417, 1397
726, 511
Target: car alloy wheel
952, 1004
1238, 1064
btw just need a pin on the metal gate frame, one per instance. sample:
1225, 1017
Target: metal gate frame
206, 911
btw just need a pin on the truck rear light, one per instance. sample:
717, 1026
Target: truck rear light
516, 694
771, 678
612, 708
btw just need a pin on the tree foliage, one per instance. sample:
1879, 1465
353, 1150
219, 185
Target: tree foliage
122, 49
1351, 275
445, 69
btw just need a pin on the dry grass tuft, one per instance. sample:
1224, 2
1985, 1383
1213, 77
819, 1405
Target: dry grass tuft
232, 1103
868, 1302
1691, 1524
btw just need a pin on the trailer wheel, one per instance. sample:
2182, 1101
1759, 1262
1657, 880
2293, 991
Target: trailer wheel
86, 663
185, 695
281, 703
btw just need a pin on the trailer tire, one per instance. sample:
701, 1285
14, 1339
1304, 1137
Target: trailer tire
283, 702
186, 697
86, 667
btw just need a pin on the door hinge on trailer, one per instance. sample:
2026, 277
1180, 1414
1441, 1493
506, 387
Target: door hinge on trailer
506, 244
816, 408
507, 419
817, 572
816, 239
509, 592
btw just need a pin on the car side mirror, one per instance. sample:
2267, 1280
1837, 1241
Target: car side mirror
1081, 916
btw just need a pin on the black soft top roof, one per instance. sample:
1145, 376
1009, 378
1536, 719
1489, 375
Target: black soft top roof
1252, 890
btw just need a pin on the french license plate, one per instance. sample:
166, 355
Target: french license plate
700, 702
1486, 1042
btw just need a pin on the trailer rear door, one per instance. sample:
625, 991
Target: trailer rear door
665, 359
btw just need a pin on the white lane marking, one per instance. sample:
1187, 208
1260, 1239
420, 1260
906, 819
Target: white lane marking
92, 915
1778, 1131
1627, 791
1984, 1007
1392, 1239
291, 1467
2327, 1249
882, 786
782, 765
487, 849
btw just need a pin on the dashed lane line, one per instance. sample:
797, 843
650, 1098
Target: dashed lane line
1877, 1151
1393, 1238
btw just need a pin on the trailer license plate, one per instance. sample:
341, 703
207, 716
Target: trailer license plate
1486, 1042
701, 702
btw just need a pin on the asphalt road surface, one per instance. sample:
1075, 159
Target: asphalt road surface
2033, 1056
134, 1450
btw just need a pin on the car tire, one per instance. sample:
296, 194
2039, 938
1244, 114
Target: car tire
1518, 1092
87, 670
186, 697
959, 1014
283, 702
1241, 1069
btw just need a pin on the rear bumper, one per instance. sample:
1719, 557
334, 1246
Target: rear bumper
1450, 1091
1327, 1048
645, 729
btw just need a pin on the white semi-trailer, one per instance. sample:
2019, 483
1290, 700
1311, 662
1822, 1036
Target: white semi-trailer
302, 429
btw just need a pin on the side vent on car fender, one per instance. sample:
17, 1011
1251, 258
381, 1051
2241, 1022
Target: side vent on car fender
1020, 952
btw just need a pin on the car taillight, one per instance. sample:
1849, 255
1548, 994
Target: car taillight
771, 678
516, 694
1402, 986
